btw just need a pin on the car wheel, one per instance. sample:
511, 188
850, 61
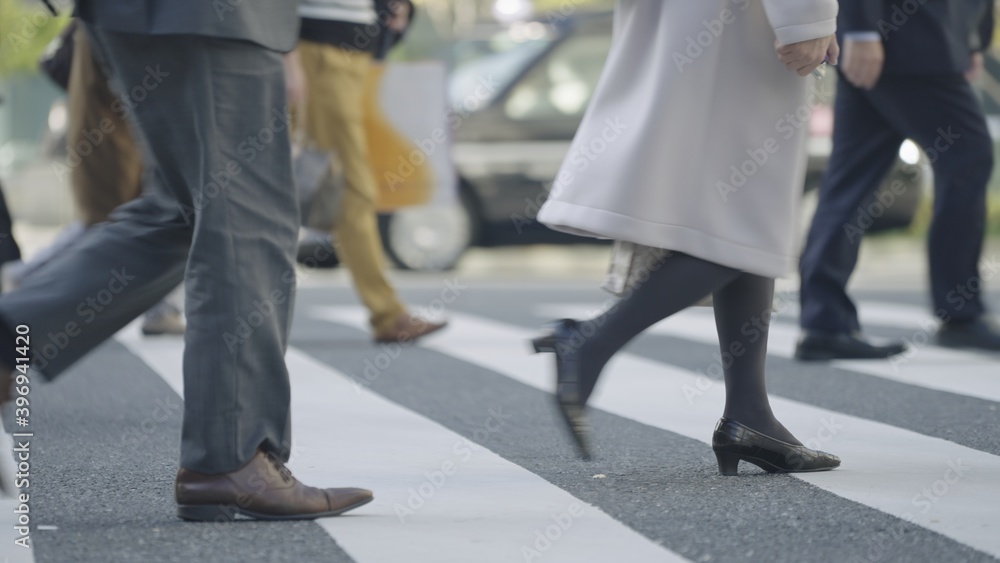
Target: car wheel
430, 238
900, 195
315, 250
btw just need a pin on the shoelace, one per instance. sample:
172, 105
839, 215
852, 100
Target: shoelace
285, 473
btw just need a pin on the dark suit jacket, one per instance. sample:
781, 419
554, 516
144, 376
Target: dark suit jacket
273, 24
922, 36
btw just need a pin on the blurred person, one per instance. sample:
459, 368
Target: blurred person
338, 39
107, 171
686, 120
9, 250
903, 80
223, 221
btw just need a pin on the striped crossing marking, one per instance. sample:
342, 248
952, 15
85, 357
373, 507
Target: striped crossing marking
939, 485
964, 373
438, 496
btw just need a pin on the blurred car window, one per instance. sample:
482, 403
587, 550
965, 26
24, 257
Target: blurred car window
497, 62
562, 84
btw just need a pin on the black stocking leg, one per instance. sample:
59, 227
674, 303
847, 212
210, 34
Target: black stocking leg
680, 281
742, 317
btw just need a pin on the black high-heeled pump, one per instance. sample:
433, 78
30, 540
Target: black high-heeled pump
569, 393
733, 442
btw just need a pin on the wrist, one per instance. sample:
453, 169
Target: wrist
862, 37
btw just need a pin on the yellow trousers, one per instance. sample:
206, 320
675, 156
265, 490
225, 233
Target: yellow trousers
334, 120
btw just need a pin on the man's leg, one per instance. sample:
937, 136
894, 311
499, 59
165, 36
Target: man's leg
942, 114
226, 158
106, 171
336, 82
202, 103
864, 147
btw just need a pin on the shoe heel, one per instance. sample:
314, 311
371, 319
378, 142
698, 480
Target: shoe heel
544, 344
728, 463
206, 513
579, 429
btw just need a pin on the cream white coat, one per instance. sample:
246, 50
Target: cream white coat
694, 140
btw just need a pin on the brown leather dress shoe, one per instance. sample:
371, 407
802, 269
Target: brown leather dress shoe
6, 385
409, 327
264, 489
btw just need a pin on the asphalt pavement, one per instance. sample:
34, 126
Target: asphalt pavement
459, 440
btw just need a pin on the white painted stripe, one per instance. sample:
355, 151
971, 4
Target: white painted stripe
884, 467
487, 509
964, 373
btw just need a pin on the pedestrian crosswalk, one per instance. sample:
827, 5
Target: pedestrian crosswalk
430, 429
971, 374
884, 467
440, 497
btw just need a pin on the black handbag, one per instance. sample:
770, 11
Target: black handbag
57, 60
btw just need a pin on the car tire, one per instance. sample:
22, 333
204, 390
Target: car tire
316, 250
431, 238
899, 197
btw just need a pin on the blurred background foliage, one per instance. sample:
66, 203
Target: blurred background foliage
26, 29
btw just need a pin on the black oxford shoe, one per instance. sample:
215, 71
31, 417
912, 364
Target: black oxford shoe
817, 346
981, 333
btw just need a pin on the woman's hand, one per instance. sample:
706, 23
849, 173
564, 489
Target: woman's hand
806, 56
295, 81
975, 67
400, 17
863, 62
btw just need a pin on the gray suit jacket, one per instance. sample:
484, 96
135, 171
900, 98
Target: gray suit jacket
273, 24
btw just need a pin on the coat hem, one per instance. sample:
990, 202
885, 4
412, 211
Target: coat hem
570, 218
